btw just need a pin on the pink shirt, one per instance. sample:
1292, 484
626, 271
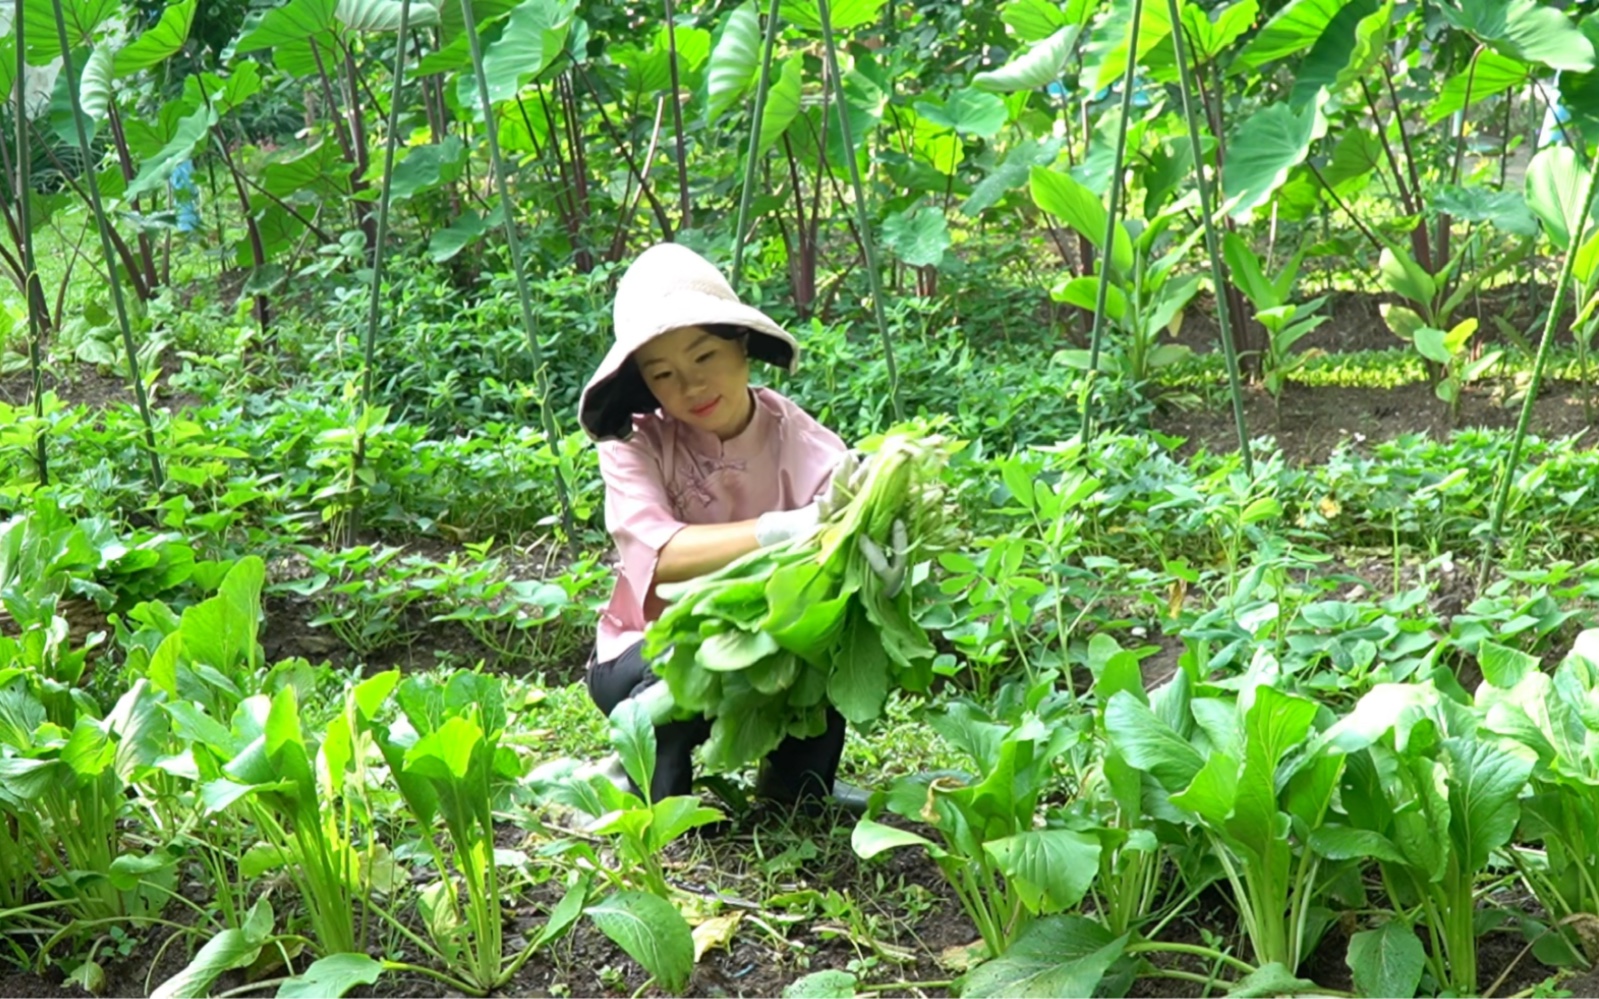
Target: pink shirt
669, 475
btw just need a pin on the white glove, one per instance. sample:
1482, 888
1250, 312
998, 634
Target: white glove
848, 478
785, 525
890, 566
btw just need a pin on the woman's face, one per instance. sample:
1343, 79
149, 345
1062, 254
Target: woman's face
699, 378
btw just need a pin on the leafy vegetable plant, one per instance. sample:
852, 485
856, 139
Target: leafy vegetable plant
1237, 771
1430, 798
1003, 868
1551, 714
1285, 321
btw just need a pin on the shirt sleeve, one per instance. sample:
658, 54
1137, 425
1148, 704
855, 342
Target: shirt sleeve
639, 517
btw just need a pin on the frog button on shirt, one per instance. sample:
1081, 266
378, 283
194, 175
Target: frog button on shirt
668, 475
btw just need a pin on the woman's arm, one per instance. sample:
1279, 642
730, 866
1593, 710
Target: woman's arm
702, 548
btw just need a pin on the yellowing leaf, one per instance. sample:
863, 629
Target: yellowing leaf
716, 931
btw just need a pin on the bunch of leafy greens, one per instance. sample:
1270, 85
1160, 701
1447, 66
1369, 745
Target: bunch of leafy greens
762, 646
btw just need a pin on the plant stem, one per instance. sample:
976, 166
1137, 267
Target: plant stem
1107, 255
524, 296
1195, 950
92, 181
762, 86
824, 13
1557, 302
1212, 248
686, 222
30, 276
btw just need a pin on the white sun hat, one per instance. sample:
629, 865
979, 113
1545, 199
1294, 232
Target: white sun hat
666, 288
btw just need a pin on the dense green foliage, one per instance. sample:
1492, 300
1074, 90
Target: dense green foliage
301, 549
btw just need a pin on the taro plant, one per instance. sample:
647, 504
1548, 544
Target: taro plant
1286, 322
1426, 318
1451, 351
1146, 301
1004, 868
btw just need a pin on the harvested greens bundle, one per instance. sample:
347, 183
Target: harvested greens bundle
761, 646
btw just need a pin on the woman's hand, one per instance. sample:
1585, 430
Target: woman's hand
779, 526
786, 525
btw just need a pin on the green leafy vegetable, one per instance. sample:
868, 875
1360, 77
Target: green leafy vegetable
763, 645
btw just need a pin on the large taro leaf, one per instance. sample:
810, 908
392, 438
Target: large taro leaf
384, 15
917, 236
1011, 173
1525, 30
1346, 51
652, 932
224, 94
192, 131
1504, 210
1264, 149
310, 56
1554, 185
425, 168
1292, 29
1039, 66
1105, 56
735, 61
156, 44
1211, 34
295, 21
1033, 20
969, 112
843, 14
529, 41
81, 17
94, 89
782, 102
1064, 197
1059, 957
1579, 92
1490, 73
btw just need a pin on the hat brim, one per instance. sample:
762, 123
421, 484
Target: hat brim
616, 391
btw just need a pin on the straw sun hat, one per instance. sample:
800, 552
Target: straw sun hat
667, 288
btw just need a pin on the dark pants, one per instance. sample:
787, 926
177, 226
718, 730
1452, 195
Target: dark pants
795, 770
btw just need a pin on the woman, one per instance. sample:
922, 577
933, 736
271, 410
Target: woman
700, 469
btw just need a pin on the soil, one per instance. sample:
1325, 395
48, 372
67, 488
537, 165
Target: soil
89, 386
1354, 320
1311, 422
